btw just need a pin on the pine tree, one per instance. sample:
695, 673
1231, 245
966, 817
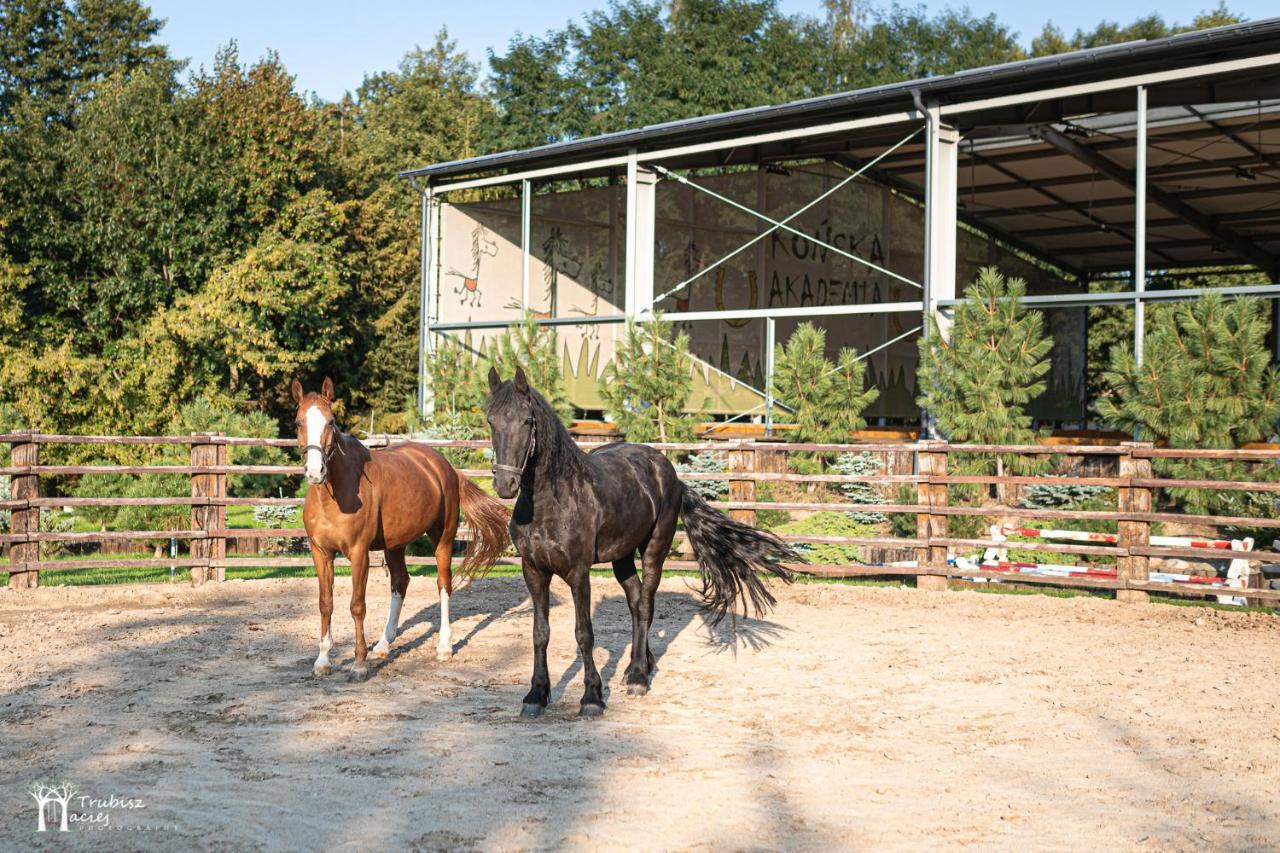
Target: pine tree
456, 391
1207, 381
828, 399
977, 381
648, 383
536, 349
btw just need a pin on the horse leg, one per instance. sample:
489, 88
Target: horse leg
359, 557
637, 675
324, 572
539, 584
399, 585
444, 583
654, 555
593, 696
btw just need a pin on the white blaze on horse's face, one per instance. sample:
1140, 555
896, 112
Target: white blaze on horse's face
315, 421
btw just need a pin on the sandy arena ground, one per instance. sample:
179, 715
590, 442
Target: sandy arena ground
854, 718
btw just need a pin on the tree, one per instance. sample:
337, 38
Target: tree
1206, 380
457, 391
52, 52
536, 349
648, 383
429, 109
977, 381
828, 399
632, 65
906, 44
1052, 40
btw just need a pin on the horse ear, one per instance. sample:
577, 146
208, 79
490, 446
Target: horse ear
494, 379
326, 389
296, 388
522, 382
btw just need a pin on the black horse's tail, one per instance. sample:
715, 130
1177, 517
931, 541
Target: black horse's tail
731, 556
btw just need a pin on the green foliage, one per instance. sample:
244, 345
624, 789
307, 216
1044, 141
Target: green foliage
536, 349
456, 386
709, 462
54, 522
167, 236
648, 383
977, 380
861, 465
198, 416
1206, 381
1060, 495
904, 524
828, 399
52, 51
827, 523
1052, 40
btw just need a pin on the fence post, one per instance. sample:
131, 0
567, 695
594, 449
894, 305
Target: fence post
203, 516
218, 546
1134, 533
742, 460
930, 526
26, 519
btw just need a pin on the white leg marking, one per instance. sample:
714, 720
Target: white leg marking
444, 649
314, 467
393, 624
322, 660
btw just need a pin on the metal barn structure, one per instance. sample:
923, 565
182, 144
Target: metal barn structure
1145, 163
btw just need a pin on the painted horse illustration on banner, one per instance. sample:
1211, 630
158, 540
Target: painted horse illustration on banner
469, 283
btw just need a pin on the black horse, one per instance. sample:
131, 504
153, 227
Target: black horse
575, 509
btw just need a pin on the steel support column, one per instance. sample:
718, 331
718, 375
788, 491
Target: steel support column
526, 217
641, 210
1140, 227
940, 202
770, 341
424, 304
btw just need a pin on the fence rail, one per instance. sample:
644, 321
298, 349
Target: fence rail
749, 463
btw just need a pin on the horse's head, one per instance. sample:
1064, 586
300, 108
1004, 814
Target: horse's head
512, 415
317, 436
486, 244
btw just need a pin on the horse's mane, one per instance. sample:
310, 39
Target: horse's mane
557, 454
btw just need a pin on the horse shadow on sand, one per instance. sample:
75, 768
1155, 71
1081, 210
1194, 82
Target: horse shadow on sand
675, 611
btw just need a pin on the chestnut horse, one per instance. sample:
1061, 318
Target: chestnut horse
362, 500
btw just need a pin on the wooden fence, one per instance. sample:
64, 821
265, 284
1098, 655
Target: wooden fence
1126, 467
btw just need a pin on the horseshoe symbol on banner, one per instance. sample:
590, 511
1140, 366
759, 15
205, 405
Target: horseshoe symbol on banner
754, 301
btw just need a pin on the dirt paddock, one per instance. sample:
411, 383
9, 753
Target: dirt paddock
854, 718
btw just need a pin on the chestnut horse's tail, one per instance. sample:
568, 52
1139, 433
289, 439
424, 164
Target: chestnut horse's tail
731, 557
488, 522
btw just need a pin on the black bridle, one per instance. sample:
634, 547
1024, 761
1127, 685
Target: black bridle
528, 453
334, 447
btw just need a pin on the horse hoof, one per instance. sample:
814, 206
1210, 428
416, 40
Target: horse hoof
530, 710
321, 670
380, 651
359, 673
444, 654
637, 689
590, 709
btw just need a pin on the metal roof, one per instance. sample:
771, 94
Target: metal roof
1113, 61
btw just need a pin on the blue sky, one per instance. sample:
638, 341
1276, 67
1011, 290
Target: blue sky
330, 46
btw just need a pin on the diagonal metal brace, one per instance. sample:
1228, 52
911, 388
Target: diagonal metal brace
782, 224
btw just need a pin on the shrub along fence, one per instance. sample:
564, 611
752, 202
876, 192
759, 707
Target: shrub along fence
1125, 467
